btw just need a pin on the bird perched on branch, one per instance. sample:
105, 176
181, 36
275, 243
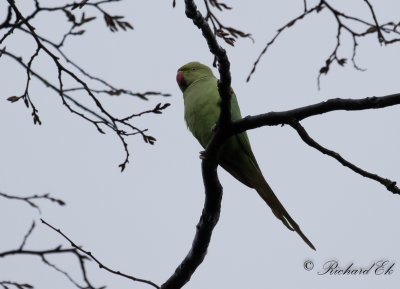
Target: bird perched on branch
201, 99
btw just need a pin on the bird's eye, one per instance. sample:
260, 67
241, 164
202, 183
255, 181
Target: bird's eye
193, 69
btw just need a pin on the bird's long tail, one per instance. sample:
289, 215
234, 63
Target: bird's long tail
265, 192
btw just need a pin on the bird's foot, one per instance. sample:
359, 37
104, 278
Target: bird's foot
202, 155
214, 127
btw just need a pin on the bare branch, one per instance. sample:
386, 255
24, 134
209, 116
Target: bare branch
316, 8
81, 258
119, 125
56, 251
352, 27
390, 185
292, 117
27, 235
213, 188
6, 22
92, 257
381, 38
6, 284
157, 110
52, 86
224, 84
298, 114
226, 33
225, 128
30, 199
43, 253
112, 90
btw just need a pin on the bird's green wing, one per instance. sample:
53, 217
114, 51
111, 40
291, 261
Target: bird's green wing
236, 155
242, 138
201, 108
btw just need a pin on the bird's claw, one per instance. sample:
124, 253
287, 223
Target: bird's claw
202, 155
213, 127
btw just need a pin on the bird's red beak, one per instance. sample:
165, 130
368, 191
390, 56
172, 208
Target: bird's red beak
179, 77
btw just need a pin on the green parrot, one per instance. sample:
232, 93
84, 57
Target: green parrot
201, 99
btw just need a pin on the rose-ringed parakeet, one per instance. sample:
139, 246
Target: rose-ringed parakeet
201, 99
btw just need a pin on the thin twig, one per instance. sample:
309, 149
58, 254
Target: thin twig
17, 285
119, 125
381, 38
353, 25
277, 34
390, 185
27, 235
56, 251
91, 256
30, 199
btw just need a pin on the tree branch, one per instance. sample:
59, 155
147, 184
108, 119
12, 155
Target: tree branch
278, 33
390, 185
42, 254
27, 235
91, 256
121, 126
56, 251
286, 117
226, 33
292, 117
213, 188
355, 26
6, 284
226, 128
30, 200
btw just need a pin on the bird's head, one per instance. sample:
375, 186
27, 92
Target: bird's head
191, 72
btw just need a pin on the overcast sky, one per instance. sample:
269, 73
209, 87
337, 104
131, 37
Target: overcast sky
142, 221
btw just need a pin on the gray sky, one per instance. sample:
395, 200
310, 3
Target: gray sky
142, 221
